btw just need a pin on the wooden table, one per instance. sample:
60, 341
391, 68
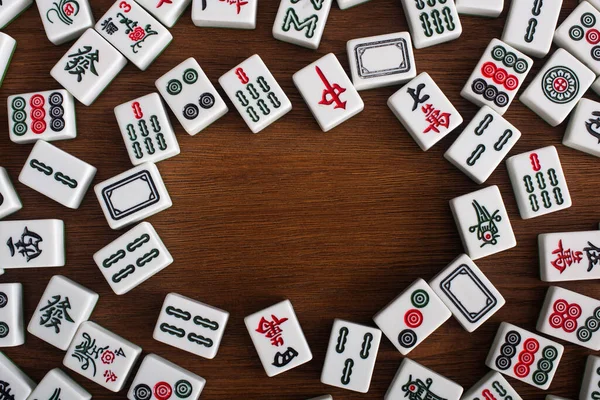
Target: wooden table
339, 223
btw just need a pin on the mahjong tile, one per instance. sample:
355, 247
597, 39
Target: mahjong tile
65, 20
590, 386
7, 49
10, 202
491, 386
482, 8
225, 13
345, 4
32, 243
57, 385
301, 23
11, 315
166, 11
9, 11
432, 22
14, 383
583, 131
569, 256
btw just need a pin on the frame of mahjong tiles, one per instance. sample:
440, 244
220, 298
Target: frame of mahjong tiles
206, 223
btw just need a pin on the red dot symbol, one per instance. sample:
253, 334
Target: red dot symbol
560, 84
413, 318
592, 36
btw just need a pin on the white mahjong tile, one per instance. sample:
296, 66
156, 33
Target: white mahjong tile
590, 386
432, 22
57, 174
569, 256
301, 23
255, 93
11, 315
166, 11
134, 32
65, 20
225, 13
14, 383
64, 305
328, 92
132, 196
278, 338
497, 77
57, 385
483, 144
425, 111
538, 182
583, 131
579, 35
48, 115
483, 222
557, 88
191, 325
414, 380
525, 356
412, 316
101, 356
10, 10
7, 49
88, 67
595, 3
191, 96
383, 60
9, 199
530, 26
32, 243
570, 316
146, 130
351, 355
345, 4
159, 379
491, 386
467, 292
133, 258
482, 8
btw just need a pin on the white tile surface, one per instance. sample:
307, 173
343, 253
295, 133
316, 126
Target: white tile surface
225, 14
346, 4
413, 379
12, 332
57, 385
590, 386
7, 49
32, 243
166, 11
491, 386
64, 305
482, 8
432, 23
569, 256
301, 23
19, 384
10, 202
583, 131
11, 10
328, 92
65, 20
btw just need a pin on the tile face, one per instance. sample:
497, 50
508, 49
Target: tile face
133, 258
58, 385
191, 96
492, 386
57, 174
278, 338
9, 199
225, 13
530, 26
301, 23
483, 223
132, 196
255, 93
412, 316
345, 4
538, 182
569, 256
497, 77
7, 49
16, 384
146, 130
166, 11
483, 144
413, 380
134, 32
467, 293
483, 8
32, 243
88, 67
579, 35
557, 88
64, 305
65, 20
432, 22
382, 60
11, 315
583, 131
570, 316
46, 115
524, 356
425, 111
328, 92
191, 325
590, 386
101, 356
159, 379
11, 10
351, 356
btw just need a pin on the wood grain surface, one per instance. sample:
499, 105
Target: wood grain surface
339, 223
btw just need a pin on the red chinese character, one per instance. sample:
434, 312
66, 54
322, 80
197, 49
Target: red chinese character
110, 376
565, 258
69, 9
271, 329
238, 4
435, 118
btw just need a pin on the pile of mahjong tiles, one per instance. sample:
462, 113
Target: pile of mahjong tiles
136, 31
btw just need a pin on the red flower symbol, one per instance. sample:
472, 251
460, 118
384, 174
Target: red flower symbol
108, 357
137, 34
69, 9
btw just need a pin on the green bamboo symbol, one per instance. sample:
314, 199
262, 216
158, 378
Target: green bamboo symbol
59, 9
